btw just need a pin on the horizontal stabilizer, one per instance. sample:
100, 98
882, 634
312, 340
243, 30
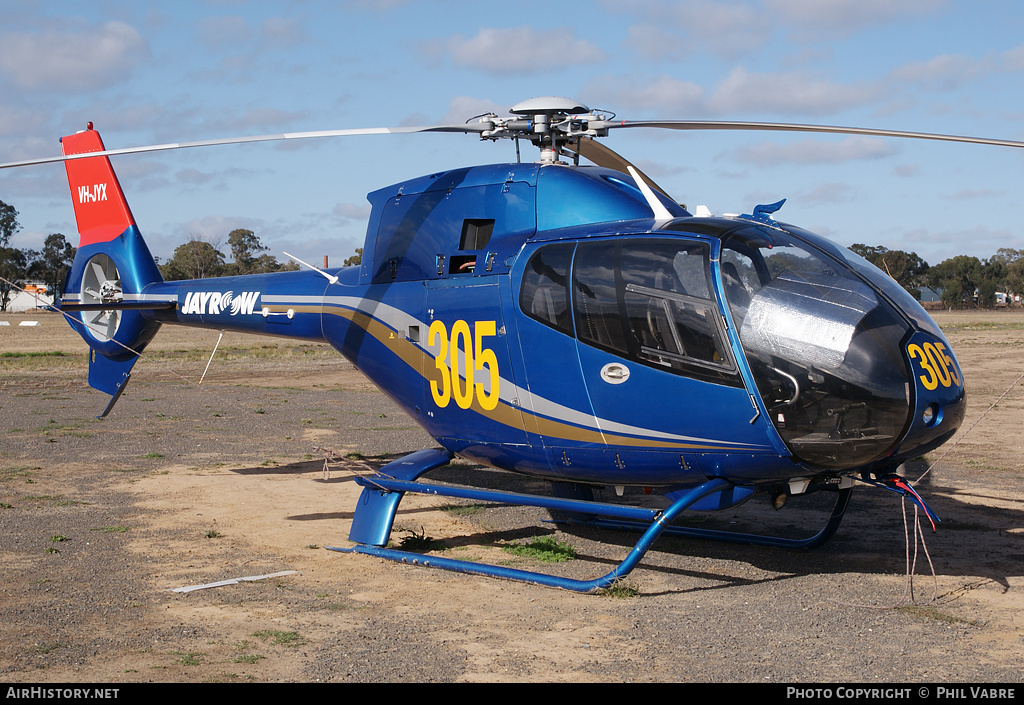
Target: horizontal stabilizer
124, 306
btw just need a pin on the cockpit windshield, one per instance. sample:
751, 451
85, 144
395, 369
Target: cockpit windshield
823, 347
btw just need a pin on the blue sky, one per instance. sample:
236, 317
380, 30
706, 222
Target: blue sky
146, 74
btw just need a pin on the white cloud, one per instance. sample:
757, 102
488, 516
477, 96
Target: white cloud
375, 5
82, 59
663, 94
815, 151
696, 26
838, 18
465, 107
743, 91
738, 28
518, 49
947, 243
351, 211
740, 92
658, 43
1013, 59
16, 120
221, 32
971, 194
281, 33
214, 228
946, 72
834, 192
250, 119
193, 177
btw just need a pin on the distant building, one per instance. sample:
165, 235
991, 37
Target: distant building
33, 297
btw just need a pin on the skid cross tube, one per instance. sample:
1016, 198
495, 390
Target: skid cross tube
830, 528
375, 514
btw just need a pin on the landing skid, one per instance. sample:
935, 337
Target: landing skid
382, 493
836, 518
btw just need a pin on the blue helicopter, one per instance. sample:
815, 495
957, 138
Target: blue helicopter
571, 323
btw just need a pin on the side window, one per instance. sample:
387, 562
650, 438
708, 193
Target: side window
651, 300
544, 294
596, 297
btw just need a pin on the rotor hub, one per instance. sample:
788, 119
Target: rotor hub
550, 123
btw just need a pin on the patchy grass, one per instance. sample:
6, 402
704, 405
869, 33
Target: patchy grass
546, 549
985, 325
933, 613
463, 510
69, 502
280, 638
39, 360
212, 534
189, 659
112, 529
418, 542
47, 353
620, 589
248, 658
341, 606
25, 473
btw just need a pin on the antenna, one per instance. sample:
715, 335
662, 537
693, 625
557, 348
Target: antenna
660, 211
330, 277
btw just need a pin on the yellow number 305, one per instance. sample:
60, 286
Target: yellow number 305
937, 365
477, 359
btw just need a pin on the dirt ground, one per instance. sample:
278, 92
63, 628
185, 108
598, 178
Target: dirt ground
185, 485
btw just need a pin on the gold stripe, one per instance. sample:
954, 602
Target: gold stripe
517, 418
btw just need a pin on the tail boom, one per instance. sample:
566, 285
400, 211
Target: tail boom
116, 298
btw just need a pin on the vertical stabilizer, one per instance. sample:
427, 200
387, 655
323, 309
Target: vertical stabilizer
112, 267
101, 211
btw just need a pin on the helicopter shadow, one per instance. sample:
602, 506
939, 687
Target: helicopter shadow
980, 536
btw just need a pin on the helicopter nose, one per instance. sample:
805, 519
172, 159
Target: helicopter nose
939, 399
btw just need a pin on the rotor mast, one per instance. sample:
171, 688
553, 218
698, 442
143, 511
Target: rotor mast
550, 123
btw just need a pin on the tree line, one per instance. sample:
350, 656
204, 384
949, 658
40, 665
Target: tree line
961, 281
195, 259
200, 259
49, 265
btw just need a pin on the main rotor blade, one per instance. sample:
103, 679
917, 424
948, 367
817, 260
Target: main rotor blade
596, 152
474, 127
786, 127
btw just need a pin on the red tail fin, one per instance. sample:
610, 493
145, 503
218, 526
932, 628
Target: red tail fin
100, 206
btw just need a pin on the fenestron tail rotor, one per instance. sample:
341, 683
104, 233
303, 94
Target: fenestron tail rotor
101, 284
